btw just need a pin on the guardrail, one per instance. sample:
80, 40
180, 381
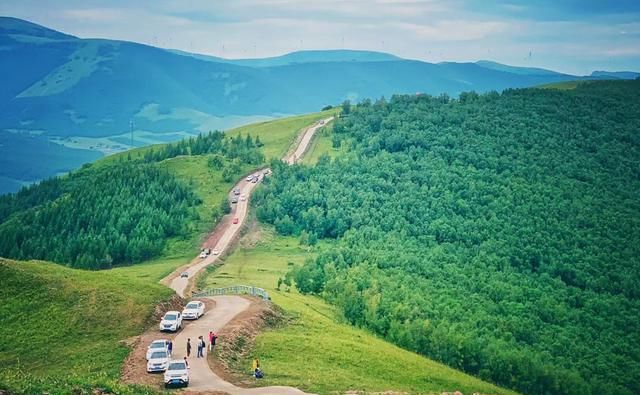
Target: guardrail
234, 290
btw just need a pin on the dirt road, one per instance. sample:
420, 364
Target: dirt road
303, 144
228, 230
227, 307
201, 376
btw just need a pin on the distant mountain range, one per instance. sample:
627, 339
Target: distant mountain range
89, 93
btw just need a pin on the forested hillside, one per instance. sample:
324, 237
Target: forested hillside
117, 212
498, 233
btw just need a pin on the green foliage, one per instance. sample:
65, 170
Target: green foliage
499, 233
335, 357
236, 147
98, 217
62, 329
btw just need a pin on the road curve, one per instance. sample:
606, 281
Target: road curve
227, 307
303, 145
202, 378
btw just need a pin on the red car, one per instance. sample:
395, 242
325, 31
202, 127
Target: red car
235, 220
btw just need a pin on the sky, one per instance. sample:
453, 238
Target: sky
573, 36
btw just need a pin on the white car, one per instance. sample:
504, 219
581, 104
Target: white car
177, 374
243, 198
193, 310
203, 255
249, 177
158, 361
215, 251
157, 345
172, 321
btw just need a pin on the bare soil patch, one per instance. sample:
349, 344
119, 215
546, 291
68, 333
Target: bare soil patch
237, 339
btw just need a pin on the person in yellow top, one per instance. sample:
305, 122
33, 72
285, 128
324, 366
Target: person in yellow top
255, 365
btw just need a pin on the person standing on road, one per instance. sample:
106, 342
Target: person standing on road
210, 341
170, 347
201, 346
188, 347
213, 340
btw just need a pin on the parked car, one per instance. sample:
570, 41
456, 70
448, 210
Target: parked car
172, 321
235, 220
236, 191
243, 198
250, 177
193, 310
184, 275
207, 251
234, 199
267, 172
177, 374
215, 251
158, 361
157, 345
203, 254
255, 179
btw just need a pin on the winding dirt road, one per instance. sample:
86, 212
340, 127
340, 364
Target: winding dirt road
227, 307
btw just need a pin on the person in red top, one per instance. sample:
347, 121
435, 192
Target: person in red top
210, 340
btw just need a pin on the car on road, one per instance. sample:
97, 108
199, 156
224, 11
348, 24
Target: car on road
157, 345
193, 310
172, 321
203, 254
234, 199
267, 172
215, 251
235, 220
158, 361
177, 374
255, 179
250, 177
184, 275
243, 198
236, 191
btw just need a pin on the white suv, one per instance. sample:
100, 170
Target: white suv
158, 361
172, 321
177, 374
193, 310
157, 345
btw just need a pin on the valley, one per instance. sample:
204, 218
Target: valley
346, 221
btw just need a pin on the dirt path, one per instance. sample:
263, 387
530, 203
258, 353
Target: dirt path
202, 378
302, 147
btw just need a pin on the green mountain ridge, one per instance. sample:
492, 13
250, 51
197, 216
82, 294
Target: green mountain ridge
88, 94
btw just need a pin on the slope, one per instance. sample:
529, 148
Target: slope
63, 329
316, 351
498, 233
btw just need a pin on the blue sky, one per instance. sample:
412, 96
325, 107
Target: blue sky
565, 35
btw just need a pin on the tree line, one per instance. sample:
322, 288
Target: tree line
497, 233
116, 213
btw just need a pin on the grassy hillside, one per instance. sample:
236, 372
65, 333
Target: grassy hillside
497, 233
151, 202
317, 352
86, 94
322, 144
64, 328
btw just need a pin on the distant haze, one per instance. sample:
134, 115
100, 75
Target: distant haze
570, 36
